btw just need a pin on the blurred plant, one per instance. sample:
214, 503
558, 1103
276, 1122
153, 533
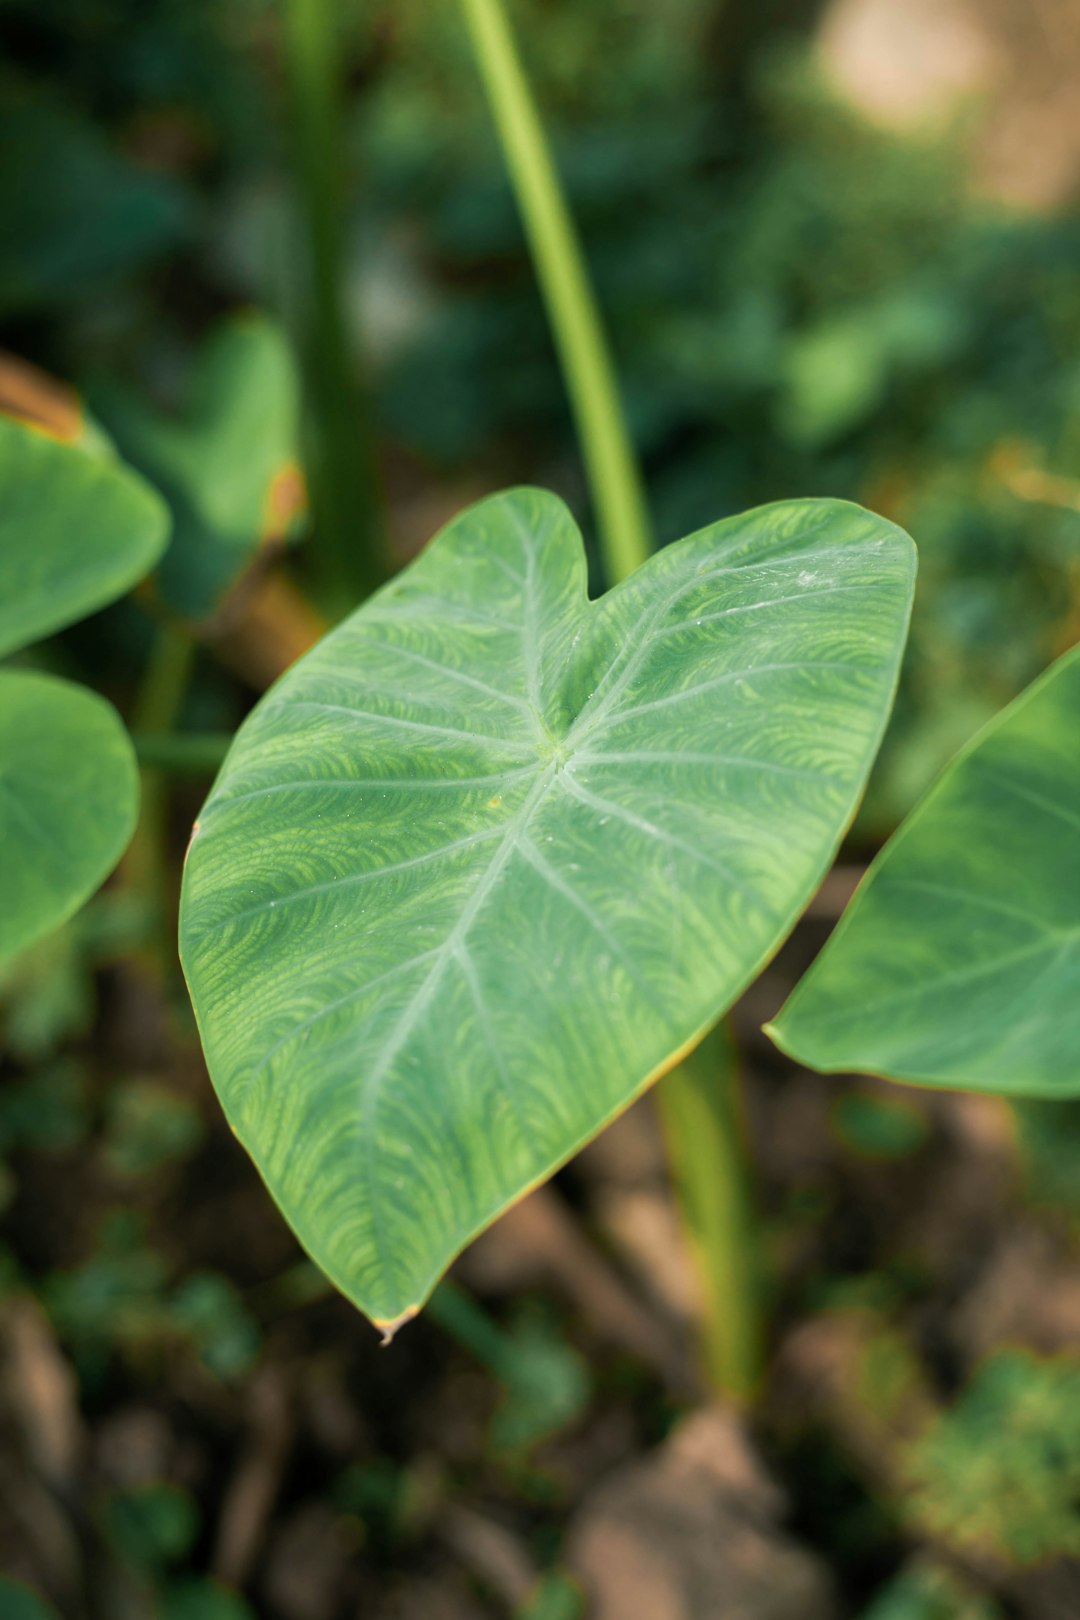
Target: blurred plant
997, 1477
228, 465
929, 1592
18, 1602
545, 1383
122, 1300
148, 1126
878, 1127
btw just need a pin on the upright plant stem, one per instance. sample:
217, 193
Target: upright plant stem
157, 709
575, 320
698, 1102
341, 455
702, 1121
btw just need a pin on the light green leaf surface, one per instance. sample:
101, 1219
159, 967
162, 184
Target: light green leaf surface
957, 963
68, 800
228, 466
491, 856
76, 531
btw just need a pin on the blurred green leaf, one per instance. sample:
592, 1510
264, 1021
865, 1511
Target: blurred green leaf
228, 465
207, 1309
68, 802
18, 1602
878, 1127
48, 1111
149, 1126
930, 1594
151, 1526
546, 1387
201, 1600
555, 1597
998, 1475
77, 530
47, 995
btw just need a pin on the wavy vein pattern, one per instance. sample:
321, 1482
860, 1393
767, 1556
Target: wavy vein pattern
488, 857
958, 961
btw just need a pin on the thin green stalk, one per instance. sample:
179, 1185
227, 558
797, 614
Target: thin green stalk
698, 1102
468, 1325
193, 753
575, 320
341, 455
701, 1115
157, 709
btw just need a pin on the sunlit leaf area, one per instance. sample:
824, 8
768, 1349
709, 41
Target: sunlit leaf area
539, 810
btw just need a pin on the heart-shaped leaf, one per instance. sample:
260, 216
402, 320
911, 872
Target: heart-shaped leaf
76, 531
489, 858
228, 466
957, 963
68, 800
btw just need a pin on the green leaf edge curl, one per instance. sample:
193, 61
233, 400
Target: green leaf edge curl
77, 484
783, 536
122, 784
792, 1030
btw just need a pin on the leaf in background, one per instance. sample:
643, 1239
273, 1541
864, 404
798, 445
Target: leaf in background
18, 1602
68, 801
928, 1591
30, 395
228, 467
76, 531
996, 1478
76, 213
957, 963
487, 860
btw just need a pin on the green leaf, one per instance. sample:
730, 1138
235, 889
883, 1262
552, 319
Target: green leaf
76, 531
18, 1602
957, 963
228, 467
68, 800
491, 857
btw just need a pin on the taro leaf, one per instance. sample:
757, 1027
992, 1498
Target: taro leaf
68, 799
76, 531
228, 467
486, 861
957, 963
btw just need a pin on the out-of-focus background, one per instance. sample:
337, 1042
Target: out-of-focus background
837, 247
